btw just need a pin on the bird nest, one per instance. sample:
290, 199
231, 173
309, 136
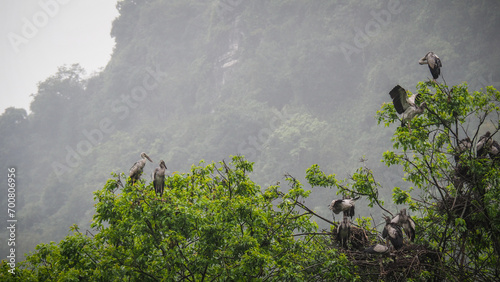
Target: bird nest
395, 265
398, 265
457, 205
461, 206
358, 238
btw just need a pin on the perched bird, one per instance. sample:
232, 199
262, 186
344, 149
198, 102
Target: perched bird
463, 145
159, 178
434, 63
346, 206
138, 167
483, 144
406, 222
343, 232
393, 231
406, 106
377, 249
494, 151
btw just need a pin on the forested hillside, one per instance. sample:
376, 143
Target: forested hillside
287, 84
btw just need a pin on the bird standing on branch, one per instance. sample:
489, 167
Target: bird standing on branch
484, 144
494, 151
138, 167
159, 178
344, 231
406, 222
393, 231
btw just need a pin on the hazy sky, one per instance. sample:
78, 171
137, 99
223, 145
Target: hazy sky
38, 36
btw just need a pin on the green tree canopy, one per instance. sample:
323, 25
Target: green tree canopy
213, 223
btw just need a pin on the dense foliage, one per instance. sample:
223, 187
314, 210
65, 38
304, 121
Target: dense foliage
213, 223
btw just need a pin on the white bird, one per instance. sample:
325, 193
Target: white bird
406, 106
434, 63
136, 170
393, 231
406, 222
344, 231
346, 206
159, 178
377, 249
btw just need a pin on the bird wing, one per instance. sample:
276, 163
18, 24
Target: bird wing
135, 167
336, 206
431, 60
399, 99
385, 232
156, 172
412, 228
438, 61
394, 231
415, 99
483, 141
412, 222
495, 148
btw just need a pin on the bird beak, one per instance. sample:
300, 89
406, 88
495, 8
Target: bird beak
147, 157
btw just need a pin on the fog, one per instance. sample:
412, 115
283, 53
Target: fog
40, 36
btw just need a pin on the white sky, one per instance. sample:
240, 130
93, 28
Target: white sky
62, 32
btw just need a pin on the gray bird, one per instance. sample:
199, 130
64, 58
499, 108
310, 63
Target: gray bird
434, 63
138, 167
346, 206
159, 178
464, 145
377, 249
462, 169
393, 231
484, 144
344, 231
494, 151
406, 106
406, 222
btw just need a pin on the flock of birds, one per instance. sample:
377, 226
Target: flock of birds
393, 229
408, 107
